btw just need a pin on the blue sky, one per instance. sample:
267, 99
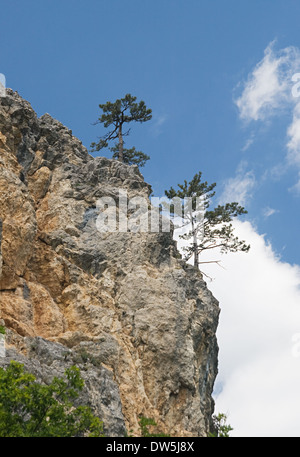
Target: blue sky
186, 60
216, 75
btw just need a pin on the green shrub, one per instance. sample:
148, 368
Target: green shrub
222, 429
31, 409
144, 424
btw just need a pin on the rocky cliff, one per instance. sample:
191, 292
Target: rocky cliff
138, 321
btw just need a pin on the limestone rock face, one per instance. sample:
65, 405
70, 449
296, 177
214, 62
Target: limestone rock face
138, 321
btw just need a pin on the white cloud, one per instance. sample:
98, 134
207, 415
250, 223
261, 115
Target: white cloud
273, 86
157, 124
267, 212
259, 373
239, 189
268, 87
293, 133
248, 143
293, 145
296, 187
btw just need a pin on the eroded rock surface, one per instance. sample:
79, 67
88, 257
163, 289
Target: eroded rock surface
144, 320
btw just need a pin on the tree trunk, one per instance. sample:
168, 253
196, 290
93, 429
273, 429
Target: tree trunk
196, 254
120, 144
195, 244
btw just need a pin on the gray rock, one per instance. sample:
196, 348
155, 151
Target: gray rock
140, 322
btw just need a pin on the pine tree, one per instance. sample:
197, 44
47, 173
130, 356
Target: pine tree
115, 115
209, 229
130, 156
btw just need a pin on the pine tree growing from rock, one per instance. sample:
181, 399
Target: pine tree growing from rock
115, 115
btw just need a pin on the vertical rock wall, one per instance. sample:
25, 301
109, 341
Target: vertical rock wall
138, 321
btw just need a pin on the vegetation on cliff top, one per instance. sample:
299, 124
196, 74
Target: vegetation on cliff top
207, 229
114, 116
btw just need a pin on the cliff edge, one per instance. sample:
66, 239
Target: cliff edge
138, 321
